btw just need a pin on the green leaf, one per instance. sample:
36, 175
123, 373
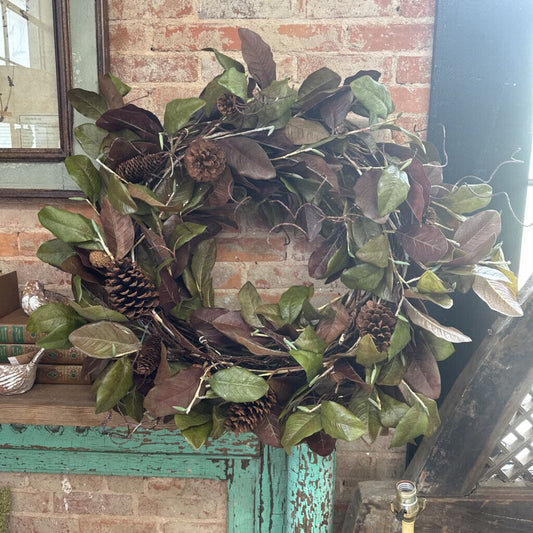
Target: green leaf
225, 61
360, 231
237, 384
339, 260
393, 188
373, 96
364, 276
414, 423
392, 410
90, 138
67, 226
323, 79
292, 300
184, 233
272, 313
366, 411
392, 372
88, 103
433, 414
303, 131
440, 348
274, 105
401, 336
178, 112
196, 436
367, 354
122, 88
375, 251
340, 423
55, 252
311, 362
299, 426
96, 313
199, 415
468, 198
235, 82
310, 341
203, 261
83, 172
105, 340
119, 197
429, 282
57, 321
249, 301
132, 405
115, 385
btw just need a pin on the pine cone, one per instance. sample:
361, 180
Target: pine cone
142, 168
227, 104
147, 359
130, 291
100, 259
243, 417
204, 160
378, 320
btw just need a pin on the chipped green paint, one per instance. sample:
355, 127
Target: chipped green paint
268, 491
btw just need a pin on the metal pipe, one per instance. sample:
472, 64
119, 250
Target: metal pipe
406, 505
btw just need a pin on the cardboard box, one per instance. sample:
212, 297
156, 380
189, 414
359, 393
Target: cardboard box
9, 293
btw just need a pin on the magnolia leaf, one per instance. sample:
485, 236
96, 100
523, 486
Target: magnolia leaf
119, 197
118, 229
321, 257
55, 252
430, 324
392, 410
373, 96
321, 443
393, 187
334, 109
414, 423
422, 373
268, 429
110, 92
178, 112
443, 300
96, 313
424, 243
340, 423
203, 261
304, 131
184, 233
300, 425
367, 354
249, 301
366, 195
201, 414
440, 348
319, 81
339, 261
468, 198
237, 384
90, 137
311, 219
132, 405
366, 411
433, 413
391, 372
115, 385
401, 336
331, 327
57, 321
88, 103
180, 390
121, 87
497, 295
197, 436
359, 231
225, 61
136, 119
430, 283
311, 362
247, 158
67, 226
258, 57
375, 251
477, 229
105, 340
364, 276
310, 341
292, 300
235, 82
272, 313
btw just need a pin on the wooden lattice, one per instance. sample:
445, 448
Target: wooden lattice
512, 458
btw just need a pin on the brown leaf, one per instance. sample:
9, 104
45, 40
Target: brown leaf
333, 110
163, 370
247, 158
310, 218
222, 190
110, 93
268, 429
423, 243
418, 196
176, 391
330, 328
344, 368
134, 118
118, 229
258, 57
318, 261
422, 372
366, 195
319, 169
169, 295
201, 320
321, 443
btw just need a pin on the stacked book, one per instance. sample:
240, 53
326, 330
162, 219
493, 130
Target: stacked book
56, 366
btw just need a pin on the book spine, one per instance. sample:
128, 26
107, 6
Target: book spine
50, 356
61, 374
16, 334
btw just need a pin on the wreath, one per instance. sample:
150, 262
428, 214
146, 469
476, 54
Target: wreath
317, 160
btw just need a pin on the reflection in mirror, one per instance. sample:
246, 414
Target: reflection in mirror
30, 110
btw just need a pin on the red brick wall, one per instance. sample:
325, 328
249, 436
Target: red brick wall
155, 46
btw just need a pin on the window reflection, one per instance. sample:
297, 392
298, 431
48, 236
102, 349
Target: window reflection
28, 76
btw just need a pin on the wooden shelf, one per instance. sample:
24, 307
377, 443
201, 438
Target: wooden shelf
55, 405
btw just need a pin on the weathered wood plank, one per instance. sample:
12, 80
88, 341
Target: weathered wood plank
273, 490
478, 408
